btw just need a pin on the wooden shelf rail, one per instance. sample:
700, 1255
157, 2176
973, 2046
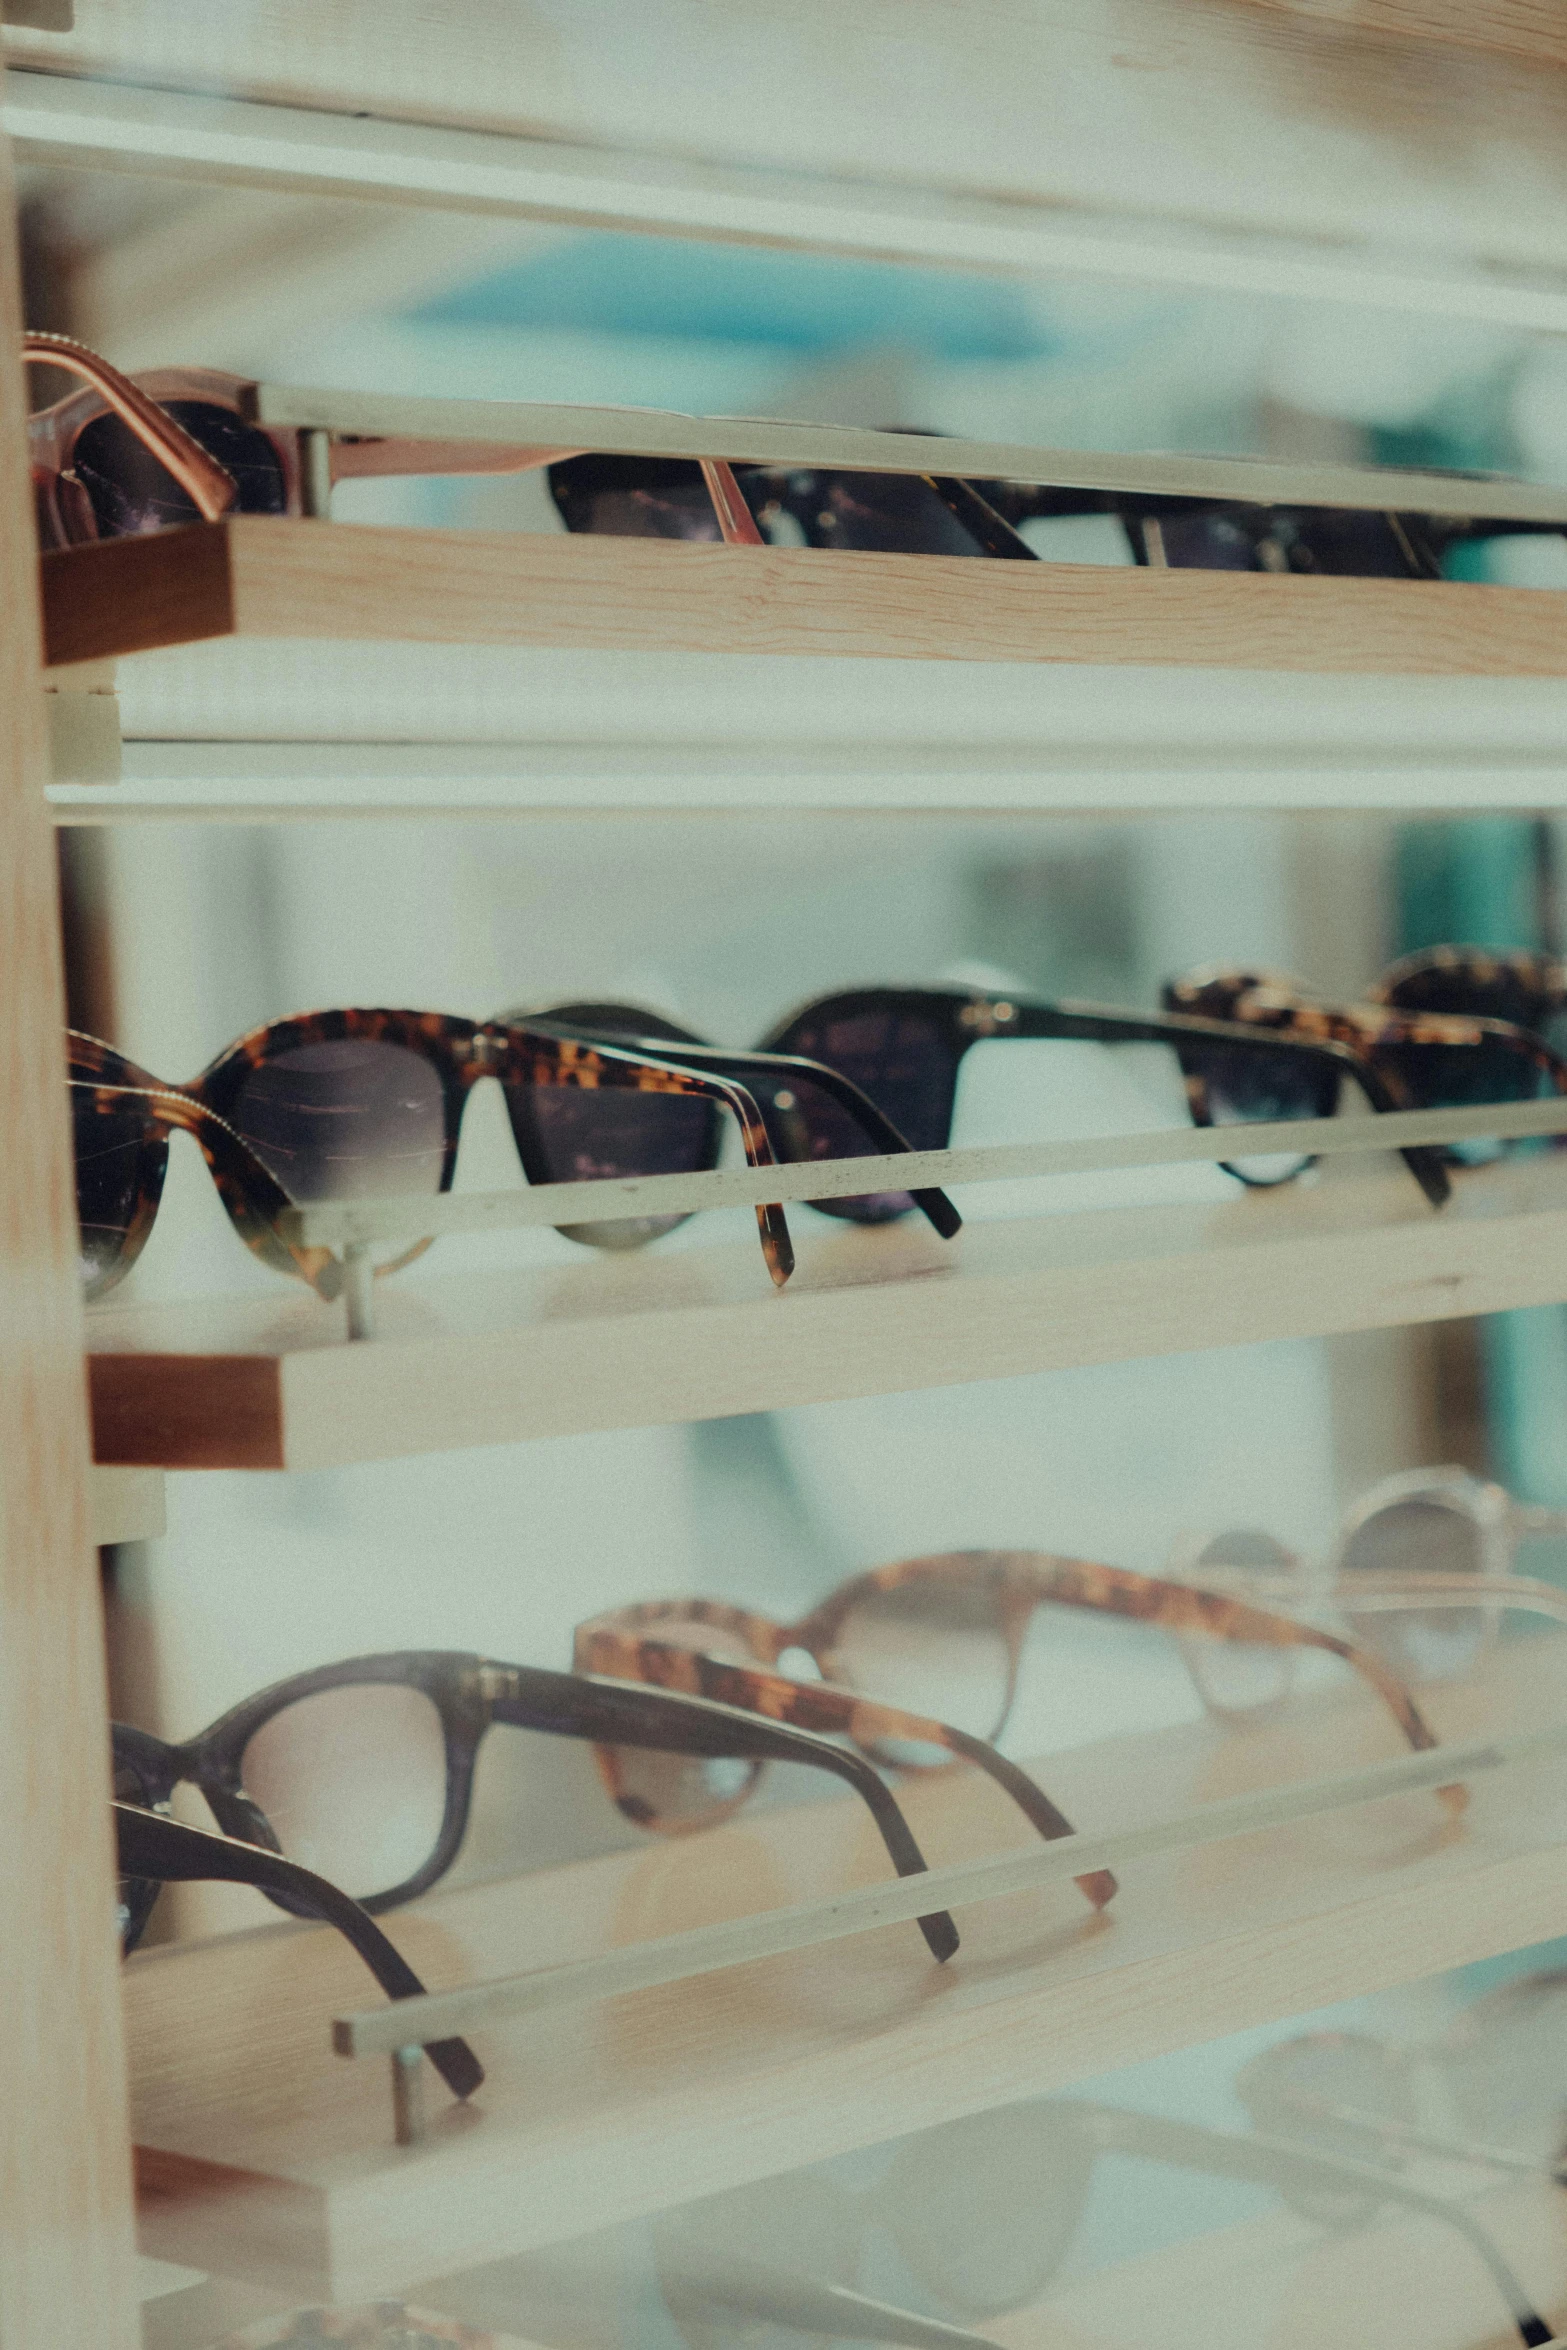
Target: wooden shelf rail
353, 1225
644, 1338
264, 577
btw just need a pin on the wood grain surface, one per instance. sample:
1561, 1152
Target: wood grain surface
267, 1380
265, 577
262, 2154
65, 2248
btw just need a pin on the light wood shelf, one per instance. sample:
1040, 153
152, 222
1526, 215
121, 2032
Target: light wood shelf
266, 1380
1399, 157
268, 578
262, 2155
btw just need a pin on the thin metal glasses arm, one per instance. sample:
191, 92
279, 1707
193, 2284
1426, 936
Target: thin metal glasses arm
152, 1846
211, 488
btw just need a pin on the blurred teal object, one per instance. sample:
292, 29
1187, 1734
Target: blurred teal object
1480, 881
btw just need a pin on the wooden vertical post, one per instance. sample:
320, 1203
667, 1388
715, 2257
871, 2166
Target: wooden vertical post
66, 2276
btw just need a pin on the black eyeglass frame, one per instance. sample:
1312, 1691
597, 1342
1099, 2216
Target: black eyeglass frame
469, 1694
154, 1851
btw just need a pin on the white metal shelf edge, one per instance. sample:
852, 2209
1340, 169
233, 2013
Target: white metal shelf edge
57, 119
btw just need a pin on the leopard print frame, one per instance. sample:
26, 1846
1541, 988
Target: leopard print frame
460, 1051
1518, 985
809, 1705
1268, 999
107, 1087
1015, 1583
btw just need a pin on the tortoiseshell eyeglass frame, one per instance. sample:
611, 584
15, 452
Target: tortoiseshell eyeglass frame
604, 1647
469, 1694
154, 1851
1382, 1034
1515, 984
1016, 1583
460, 1051
950, 1020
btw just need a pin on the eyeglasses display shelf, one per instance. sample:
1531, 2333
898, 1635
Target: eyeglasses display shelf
268, 1381
263, 2154
1402, 161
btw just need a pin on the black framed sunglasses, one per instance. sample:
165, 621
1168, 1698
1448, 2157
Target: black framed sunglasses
154, 1851
936, 514
364, 1770
903, 1048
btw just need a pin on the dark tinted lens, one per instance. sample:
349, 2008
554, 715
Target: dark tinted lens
882, 513
120, 1161
130, 492
345, 1120
902, 1061
1458, 1077
1250, 1088
634, 498
1203, 542
570, 1134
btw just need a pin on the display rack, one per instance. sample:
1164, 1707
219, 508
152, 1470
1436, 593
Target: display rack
1410, 159
266, 2156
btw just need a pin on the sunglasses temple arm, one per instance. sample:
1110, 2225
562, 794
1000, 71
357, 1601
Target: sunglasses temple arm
152, 1846
209, 485
771, 1222
1184, 1030
980, 519
736, 524
1232, 2155
779, 2299
877, 1128
253, 1189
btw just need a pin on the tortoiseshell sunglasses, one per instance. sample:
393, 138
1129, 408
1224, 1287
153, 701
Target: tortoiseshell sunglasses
943, 1631
154, 1851
1427, 1060
903, 1047
131, 454
355, 1103
364, 1770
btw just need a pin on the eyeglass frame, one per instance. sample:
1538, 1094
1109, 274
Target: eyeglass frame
470, 1693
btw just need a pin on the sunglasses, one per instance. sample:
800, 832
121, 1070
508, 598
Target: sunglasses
947, 1631
346, 1104
1423, 1524
126, 455
982, 2213
364, 1770
935, 514
1425, 1060
903, 1048
154, 1851
1486, 2091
